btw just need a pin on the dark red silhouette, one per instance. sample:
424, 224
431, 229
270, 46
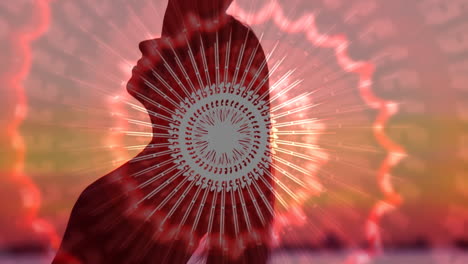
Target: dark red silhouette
155, 208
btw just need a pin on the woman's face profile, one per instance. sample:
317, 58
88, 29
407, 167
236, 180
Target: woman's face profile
142, 65
175, 11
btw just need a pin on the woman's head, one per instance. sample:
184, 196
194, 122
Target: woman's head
177, 11
203, 8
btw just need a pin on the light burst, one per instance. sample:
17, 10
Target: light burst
222, 144
289, 199
293, 129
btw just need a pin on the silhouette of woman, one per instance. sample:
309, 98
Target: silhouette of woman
205, 179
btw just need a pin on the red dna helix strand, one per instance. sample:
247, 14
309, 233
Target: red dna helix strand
21, 42
305, 24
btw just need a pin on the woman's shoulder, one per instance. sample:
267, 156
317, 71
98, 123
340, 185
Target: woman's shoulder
234, 23
240, 30
102, 189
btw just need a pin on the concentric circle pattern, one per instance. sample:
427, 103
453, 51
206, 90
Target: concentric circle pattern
222, 135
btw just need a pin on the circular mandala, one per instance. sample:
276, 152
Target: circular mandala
221, 134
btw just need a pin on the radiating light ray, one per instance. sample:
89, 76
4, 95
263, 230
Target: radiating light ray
155, 178
266, 78
138, 20
240, 57
102, 166
184, 72
217, 53
117, 29
296, 110
192, 60
103, 44
283, 78
257, 208
264, 199
271, 189
168, 197
298, 132
160, 93
151, 113
249, 64
291, 165
289, 175
244, 210
221, 221
146, 134
89, 65
189, 209
212, 214
298, 122
168, 87
146, 124
157, 166
205, 63
261, 68
234, 215
178, 202
162, 186
141, 147
285, 188
228, 56
291, 101
173, 74
200, 209
152, 102
152, 156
